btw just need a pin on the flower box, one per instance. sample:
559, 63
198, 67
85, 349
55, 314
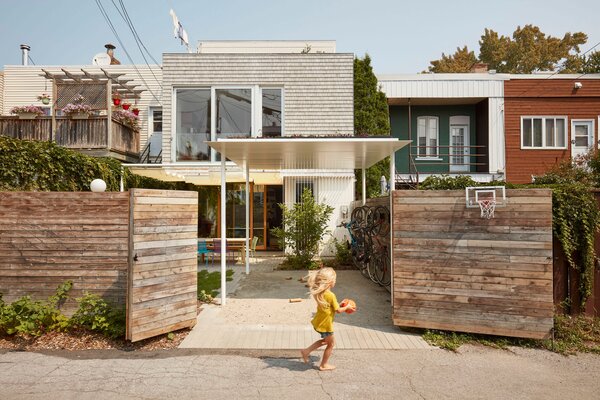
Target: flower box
27, 115
80, 115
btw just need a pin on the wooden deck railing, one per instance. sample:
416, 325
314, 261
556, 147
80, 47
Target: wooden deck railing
88, 134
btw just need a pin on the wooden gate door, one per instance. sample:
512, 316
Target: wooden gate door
162, 278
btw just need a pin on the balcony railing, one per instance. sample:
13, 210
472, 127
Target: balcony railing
85, 135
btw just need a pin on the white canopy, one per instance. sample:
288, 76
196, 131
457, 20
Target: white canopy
308, 153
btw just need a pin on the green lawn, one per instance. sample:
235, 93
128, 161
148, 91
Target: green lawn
210, 282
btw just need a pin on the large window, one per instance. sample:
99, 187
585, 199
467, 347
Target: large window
271, 112
205, 114
192, 124
234, 112
428, 135
543, 132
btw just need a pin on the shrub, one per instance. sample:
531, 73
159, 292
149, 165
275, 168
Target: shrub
445, 182
95, 314
34, 317
303, 228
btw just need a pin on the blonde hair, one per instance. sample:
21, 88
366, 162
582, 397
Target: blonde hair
318, 282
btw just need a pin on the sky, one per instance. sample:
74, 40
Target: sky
400, 36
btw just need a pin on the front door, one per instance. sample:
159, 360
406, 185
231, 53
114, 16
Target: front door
582, 137
459, 148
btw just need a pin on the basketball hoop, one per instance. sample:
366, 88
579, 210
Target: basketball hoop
487, 208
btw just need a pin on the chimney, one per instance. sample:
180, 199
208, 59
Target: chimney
110, 50
25, 54
479, 68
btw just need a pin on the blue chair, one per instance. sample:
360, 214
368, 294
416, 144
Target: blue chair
204, 251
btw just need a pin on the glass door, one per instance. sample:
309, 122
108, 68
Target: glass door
582, 137
459, 150
258, 215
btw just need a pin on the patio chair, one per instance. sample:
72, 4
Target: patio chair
204, 252
253, 247
217, 249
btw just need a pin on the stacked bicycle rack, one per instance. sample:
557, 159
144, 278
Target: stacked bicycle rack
369, 229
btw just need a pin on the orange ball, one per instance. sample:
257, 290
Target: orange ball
351, 305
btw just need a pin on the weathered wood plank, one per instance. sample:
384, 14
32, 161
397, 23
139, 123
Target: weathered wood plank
455, 270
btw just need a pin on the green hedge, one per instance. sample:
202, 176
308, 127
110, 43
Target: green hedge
45, 166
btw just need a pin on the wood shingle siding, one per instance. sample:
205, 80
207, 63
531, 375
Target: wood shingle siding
454, 270
318, 88
544, 97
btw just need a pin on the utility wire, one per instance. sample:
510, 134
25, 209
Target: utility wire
137, 39
110, 24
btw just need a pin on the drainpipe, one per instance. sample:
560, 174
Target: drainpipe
25, 54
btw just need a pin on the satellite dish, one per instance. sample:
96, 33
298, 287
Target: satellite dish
101, 59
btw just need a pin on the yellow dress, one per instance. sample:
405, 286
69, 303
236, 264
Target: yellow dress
323, 319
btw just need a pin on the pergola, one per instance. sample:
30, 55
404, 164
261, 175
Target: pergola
298, 154
97, 88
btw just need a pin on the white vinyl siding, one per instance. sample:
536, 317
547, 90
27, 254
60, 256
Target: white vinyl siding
22, 85
543, 132
428, 134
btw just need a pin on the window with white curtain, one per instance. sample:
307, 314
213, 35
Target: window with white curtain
428, 136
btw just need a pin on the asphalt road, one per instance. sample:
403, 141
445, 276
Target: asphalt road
473, 373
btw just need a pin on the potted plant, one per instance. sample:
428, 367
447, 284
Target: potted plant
27, 112
44, 98
126, 106
76, 109
135, 110
116, 98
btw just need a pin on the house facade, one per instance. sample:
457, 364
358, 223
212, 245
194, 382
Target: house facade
455, 123
549, 118
231, 89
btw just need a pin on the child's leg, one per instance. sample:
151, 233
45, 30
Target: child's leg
306, 352
330, 341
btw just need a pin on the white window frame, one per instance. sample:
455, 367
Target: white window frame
544, 146
259, 108
429, 150
173, 129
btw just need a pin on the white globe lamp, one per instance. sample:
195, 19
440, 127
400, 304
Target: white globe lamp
98, 185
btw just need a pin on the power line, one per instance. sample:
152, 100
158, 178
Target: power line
111, 26
137, 38
558, 69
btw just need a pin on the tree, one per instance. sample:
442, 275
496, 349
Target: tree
461, 61
528, 50
371, 117
583, 64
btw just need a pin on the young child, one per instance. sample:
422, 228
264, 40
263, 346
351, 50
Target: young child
320, 283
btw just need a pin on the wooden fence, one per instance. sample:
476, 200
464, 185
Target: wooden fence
47, 238
135, 249
162, 282
456, 271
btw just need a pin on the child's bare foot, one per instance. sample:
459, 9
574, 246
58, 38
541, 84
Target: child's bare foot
304, 356
327, 367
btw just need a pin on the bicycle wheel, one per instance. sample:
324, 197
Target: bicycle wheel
383, 271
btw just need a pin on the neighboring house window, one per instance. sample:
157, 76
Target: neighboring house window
192, 124
272, 106
234, 112
544, 132
428, 135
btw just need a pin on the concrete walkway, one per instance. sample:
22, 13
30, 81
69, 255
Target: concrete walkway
258, 314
